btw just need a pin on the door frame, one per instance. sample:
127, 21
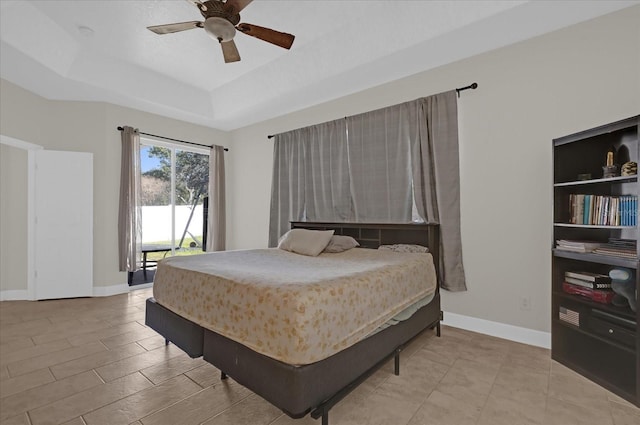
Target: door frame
31, 148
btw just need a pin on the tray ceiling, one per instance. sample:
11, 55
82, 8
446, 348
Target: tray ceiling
101, 50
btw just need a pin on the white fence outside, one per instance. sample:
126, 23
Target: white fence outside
156, 223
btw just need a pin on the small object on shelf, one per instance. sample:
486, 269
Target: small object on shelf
610, 154
624, 286
609, 171
584, 176
630, 168
569, 316
597, 295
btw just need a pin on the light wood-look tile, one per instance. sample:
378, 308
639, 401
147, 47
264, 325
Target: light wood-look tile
45, 360
201, 406
32, 351
29, 400
89, 400
251, 410
143, 403
96, 360
21, 419
93, 361
138, 362
10, 386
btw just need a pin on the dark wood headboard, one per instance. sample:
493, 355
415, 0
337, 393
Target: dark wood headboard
372, 235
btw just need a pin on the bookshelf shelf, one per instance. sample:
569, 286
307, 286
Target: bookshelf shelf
596, 258
604, 343
624, 312
619, 179
592, 226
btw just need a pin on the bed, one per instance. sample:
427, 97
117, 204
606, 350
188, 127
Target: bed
318, 368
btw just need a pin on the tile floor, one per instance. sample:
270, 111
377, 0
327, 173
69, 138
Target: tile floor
92, 361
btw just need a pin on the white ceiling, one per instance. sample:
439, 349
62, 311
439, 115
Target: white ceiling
341, 47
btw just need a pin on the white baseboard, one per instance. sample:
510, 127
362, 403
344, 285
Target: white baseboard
98, 291
105, 291
141, 286
500, 330
14, 295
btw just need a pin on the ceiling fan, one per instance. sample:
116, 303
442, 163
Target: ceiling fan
221, 20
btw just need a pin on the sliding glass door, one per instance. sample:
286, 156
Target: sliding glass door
174, 183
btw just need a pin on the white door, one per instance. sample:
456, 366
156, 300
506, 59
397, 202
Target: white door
63, 224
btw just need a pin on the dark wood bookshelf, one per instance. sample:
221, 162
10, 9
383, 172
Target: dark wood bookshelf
604, 345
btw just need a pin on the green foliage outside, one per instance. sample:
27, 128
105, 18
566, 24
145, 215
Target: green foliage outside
192, 178
185, 250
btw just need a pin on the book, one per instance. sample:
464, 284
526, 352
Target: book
625, 248
616, 252
601, 210
585, 210
587, 284
589, 277
577, 245
599, 296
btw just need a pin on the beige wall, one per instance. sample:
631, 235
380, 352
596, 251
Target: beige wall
86, 127
529, 93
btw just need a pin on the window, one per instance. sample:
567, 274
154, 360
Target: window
175, 180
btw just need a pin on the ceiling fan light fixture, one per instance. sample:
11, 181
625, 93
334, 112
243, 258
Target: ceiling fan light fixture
219, 29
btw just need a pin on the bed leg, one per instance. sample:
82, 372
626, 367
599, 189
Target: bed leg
223, 376
166, 341
325, 418
438, 329
396, 358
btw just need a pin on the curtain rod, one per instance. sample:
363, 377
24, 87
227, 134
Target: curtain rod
174, 140
471, 86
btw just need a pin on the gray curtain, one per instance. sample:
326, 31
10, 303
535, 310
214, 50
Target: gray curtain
391, 152
379, 165
130, 213
436, 179
327, 193
288, 183
216, 215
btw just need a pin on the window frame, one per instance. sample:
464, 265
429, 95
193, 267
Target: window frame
146, 141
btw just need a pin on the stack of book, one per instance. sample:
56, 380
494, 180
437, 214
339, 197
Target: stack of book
625, 248
577, 246
603, 210
594, 286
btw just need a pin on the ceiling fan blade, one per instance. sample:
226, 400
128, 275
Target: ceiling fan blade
230, 51
198, 4
278, 38
236, 6
177, 27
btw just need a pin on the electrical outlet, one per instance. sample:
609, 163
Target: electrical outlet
525, 303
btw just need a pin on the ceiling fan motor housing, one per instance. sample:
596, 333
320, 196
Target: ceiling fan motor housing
220, 29
216, 9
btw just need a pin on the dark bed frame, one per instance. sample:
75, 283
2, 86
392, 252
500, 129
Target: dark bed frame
316, 387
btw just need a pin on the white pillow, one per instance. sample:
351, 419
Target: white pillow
305, 242
340, 243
